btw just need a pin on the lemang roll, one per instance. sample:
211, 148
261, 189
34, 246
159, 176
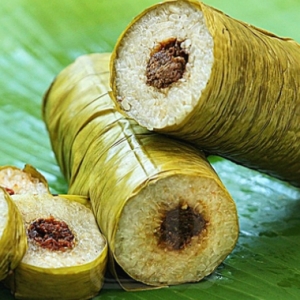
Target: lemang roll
188, 70
13, 241
66, 254
166, 215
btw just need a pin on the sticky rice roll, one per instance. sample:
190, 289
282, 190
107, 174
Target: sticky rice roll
67, 254
188, 70
167, 216
13, 241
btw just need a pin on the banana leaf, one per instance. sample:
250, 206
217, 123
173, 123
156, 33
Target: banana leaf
40, 38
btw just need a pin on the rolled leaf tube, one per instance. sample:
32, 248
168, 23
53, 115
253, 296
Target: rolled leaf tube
186, 69
67, 254
166, 215
13, 241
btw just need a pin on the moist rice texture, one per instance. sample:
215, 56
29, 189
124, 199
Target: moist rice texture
137, 247
149, 106
21, 182
89, 242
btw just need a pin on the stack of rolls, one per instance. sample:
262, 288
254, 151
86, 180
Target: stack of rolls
166, 214
65, 255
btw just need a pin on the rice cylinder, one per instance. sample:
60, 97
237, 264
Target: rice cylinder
188, 70
66, 256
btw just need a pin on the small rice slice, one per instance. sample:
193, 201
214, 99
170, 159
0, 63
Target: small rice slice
74, 273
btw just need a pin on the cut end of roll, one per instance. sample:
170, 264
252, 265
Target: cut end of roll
174, 232
22, 181
59, 231
162, 63
63, 252
67, 254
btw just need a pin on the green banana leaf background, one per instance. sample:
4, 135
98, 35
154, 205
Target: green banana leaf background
39, 38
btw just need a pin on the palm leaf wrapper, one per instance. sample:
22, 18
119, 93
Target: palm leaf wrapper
188, 70
13, 242
60, 261
167, 217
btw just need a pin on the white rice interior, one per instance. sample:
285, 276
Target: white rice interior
137, 249
81, 221
3, 213
21, 182
151, 107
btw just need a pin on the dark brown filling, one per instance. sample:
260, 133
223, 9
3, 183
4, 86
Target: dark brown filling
166, 64
178, 227
51, 234
8, 190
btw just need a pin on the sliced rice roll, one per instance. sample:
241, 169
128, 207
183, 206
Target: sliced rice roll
23, 181
67, 254
13, 241
186, 69
166, 214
